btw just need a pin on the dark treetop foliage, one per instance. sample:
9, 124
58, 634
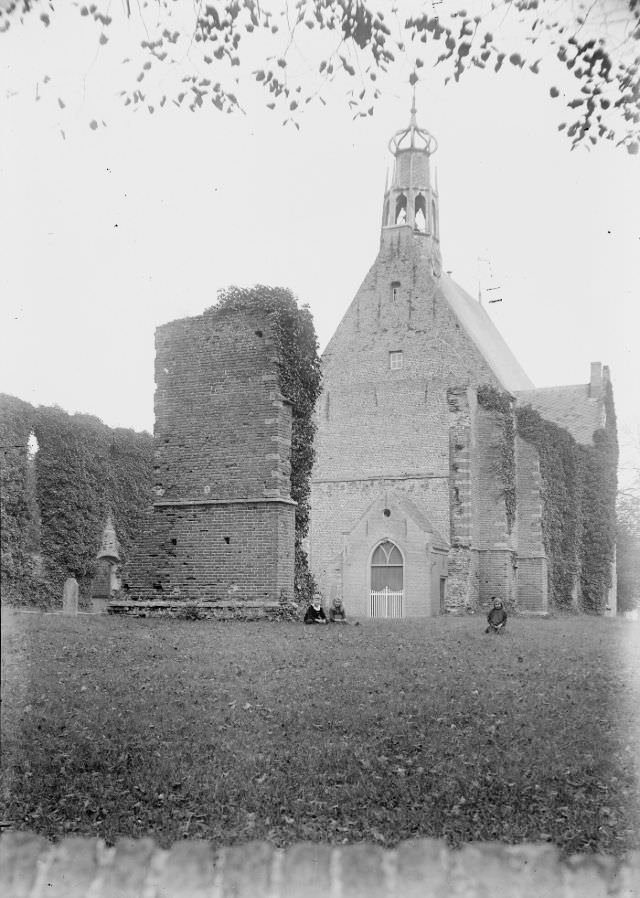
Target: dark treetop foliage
296, 50
300, 382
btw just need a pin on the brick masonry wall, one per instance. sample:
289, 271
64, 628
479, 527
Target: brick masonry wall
495, 545
221, 430
31, 867
218, 552
338, 506
462, 585
379, 427
532, 582
424, 557
222, 525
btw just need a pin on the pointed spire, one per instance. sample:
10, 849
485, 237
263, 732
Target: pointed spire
413, 123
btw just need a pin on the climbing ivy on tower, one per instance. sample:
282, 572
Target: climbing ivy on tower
300, 381
599, 510
562, 479
579, 484
499, 402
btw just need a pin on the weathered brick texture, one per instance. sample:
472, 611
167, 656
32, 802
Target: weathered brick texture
31, 867
221, 532
494, 543
380, 428
532, 581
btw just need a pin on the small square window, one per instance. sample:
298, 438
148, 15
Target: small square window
395, 360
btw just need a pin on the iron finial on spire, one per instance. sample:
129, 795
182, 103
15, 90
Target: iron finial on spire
418, 138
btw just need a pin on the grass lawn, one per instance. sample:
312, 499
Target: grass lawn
282, 732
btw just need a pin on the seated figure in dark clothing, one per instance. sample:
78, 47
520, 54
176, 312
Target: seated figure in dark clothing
497, 618
337, 614
315, 613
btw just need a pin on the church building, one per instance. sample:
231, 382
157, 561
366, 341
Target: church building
425, 497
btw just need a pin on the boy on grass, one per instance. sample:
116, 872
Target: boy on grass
497, 617
315, 613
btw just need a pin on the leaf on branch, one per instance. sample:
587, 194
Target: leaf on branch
554, 92
103, 39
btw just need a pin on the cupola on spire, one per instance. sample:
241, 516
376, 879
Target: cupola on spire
411, 200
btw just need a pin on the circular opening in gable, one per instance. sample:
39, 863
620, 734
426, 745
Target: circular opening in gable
387, 513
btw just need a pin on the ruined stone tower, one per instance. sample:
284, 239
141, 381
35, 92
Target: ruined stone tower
221, 532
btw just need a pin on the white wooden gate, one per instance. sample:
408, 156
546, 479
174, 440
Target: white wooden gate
386, 603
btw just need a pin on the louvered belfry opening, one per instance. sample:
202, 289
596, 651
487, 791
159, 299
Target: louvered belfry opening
387, 581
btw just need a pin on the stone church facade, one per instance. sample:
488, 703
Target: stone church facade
412, 510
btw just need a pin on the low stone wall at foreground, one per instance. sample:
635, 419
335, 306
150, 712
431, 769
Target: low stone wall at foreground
32, 867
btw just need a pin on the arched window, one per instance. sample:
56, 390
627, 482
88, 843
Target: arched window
420, 216
401, 209
385, 214
387, 577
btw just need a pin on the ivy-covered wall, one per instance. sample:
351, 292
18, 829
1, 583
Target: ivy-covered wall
300, 381
578, 497
82, 471
579, 484
17, 562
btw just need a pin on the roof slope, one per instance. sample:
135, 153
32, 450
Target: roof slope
485, 335
570, 407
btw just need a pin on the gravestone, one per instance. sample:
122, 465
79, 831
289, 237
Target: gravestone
70, 596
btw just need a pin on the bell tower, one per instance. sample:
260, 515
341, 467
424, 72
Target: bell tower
410, 211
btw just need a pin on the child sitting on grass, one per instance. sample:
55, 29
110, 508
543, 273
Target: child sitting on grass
337, 614
497, 617
315, 613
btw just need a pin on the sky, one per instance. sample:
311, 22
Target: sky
107, 233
